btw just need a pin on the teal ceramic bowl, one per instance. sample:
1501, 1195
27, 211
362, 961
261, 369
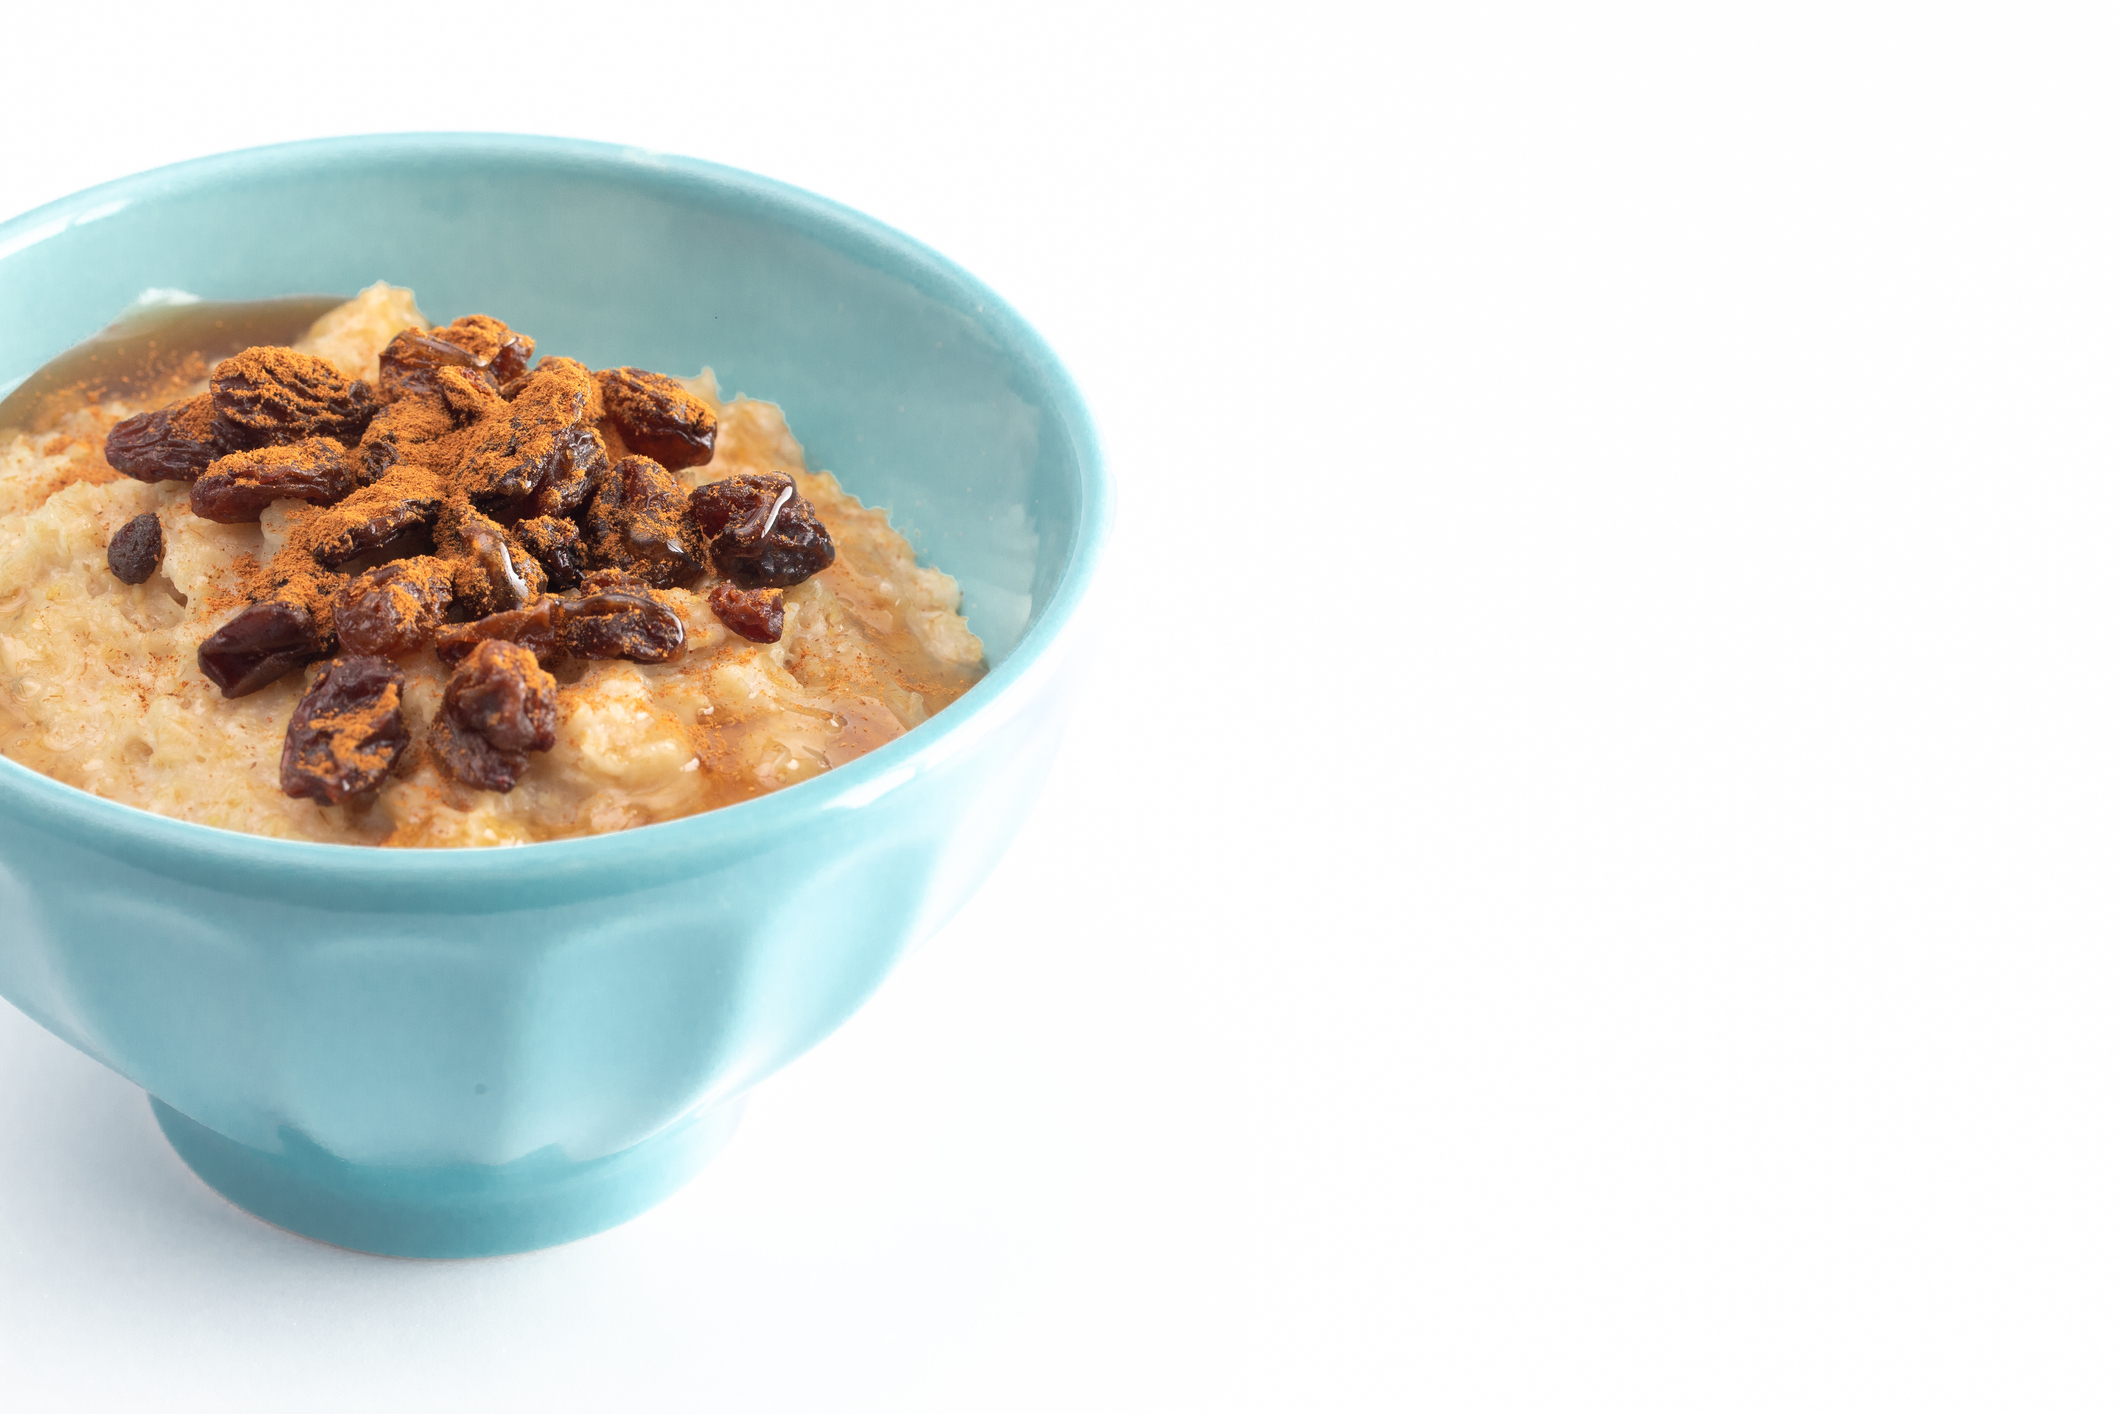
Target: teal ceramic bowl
466, 1052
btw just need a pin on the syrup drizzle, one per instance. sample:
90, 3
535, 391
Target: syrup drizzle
150, 349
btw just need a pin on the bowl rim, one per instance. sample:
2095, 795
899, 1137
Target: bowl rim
141, 836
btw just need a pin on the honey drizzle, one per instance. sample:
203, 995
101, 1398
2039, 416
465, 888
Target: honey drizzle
146, 351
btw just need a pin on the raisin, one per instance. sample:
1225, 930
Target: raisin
239, 486
371, 530
260, 645
759, 532
372, 460
537, 626
637, 523
544, 447
499, 707
570, 477
658, 418
619, 581
393, 608
485, 348
501, 693
617, 618
558, 545
409, 362
512, 360
468, 398
570, 480
472, 759
169, 444
491, 573
401, 427
346, 732
755, 614
273, 396
718, 503
136, 550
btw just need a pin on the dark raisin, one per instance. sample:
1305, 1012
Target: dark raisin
499, 706
175, 443
657, 417
759, 532
469, 398
371, 529
274, 396
238, 487
373, 459
404, 425
545, 447
558, 545
346, 732
537, 626
512, 360
608, 622
569, 477
615, 581
491, 572
393, 608
485, 348
136, 550
718, 504
410, 361
637, 522
501, 693
261, 644
755, 614
471, 758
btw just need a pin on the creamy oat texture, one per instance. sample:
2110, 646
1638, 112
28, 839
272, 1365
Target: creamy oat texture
100, 685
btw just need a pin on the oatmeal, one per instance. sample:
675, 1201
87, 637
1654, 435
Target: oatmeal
407, 585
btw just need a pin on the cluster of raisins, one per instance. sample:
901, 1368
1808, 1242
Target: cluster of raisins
569, 525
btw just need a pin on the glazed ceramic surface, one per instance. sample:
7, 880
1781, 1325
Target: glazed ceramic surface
454, 1052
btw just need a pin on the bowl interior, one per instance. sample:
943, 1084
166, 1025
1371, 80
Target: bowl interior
897, 371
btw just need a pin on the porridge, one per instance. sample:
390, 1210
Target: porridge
414, 586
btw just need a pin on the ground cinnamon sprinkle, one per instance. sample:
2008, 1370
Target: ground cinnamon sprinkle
195, 419
455, 466
462, 496
244, 570
420, 452
349, 736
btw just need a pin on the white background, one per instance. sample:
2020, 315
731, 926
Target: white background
1587, 878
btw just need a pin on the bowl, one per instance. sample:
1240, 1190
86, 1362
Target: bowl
476, 1051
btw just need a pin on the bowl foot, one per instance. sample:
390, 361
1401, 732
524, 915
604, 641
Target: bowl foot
463, 1210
